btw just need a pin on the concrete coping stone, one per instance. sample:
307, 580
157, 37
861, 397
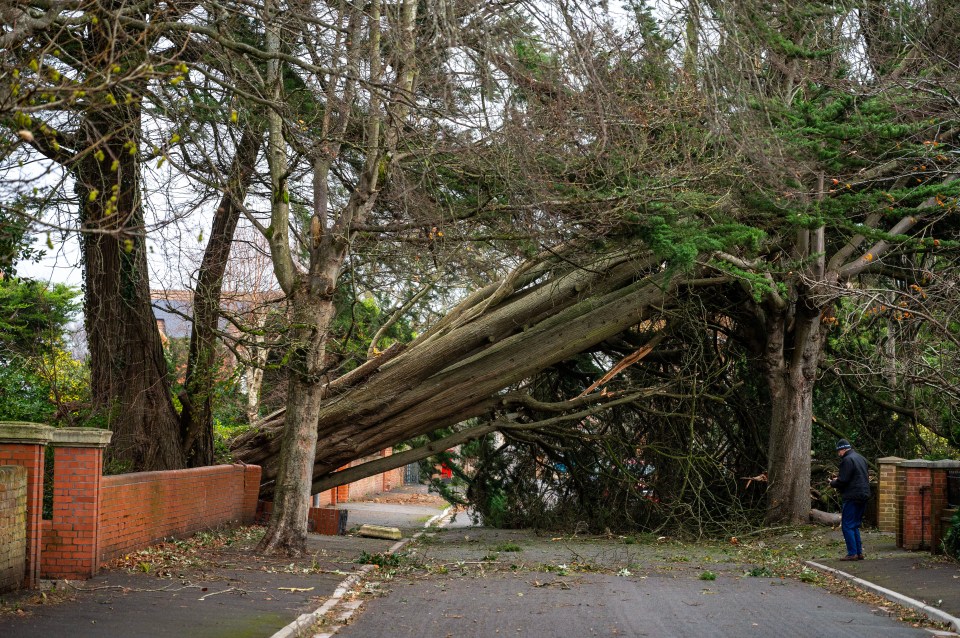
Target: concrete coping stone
916, 463
890, 460
946, 464
81, 437
25, 432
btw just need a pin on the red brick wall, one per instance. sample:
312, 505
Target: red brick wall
922, 501
30, 457
139, 509
901, 491
915, 510
328, 497
70, 540
327, 521
383, 482
393, 478
938, 504
365, 487
320, 520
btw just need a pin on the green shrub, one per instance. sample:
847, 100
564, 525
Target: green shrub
381, 559
508, 547
951, 540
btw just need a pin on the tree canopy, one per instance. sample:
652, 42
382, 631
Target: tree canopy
606, 242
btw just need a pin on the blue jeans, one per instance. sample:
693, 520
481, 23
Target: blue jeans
850, 518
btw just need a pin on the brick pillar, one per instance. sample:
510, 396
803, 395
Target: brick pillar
24, 444
251, 491
887, 494
385, 477
938, 501
916, 523
342, 493
73, 547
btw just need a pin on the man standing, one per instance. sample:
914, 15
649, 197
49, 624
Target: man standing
854, 486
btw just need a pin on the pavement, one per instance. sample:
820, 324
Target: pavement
205, 591
484, 582
463, 581
917, 579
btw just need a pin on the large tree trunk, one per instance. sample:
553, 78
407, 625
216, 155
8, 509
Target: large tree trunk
129, 384
202, 363
456, 372
794, 347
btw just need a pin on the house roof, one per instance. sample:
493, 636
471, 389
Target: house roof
175, 307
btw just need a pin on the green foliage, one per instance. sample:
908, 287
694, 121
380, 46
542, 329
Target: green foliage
533, 57
381, 559
760, 572
33, 316
507, 547
708, 576
496, 510
35, 370
807, 575
24, 394
951, 540
15, 242
222, 435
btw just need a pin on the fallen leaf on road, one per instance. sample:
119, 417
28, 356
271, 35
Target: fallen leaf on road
295, 588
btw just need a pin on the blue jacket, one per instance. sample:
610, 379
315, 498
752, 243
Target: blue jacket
852, 480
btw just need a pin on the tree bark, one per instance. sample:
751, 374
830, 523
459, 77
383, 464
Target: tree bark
824, 518
129, 380
793, 352
197, 417
312, 313
253, 374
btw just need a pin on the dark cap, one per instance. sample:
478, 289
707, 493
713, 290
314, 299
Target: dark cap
843, 444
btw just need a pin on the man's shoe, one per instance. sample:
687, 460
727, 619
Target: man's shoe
851, 557
860, 556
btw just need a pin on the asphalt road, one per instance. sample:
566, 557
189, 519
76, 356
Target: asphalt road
603, 605
486, 583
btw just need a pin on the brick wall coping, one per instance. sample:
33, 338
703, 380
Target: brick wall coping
25, 432
891, 460
148, 477
81, 437
945, 464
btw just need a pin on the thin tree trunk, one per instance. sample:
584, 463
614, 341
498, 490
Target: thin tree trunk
312, 314
254, 375
202, 363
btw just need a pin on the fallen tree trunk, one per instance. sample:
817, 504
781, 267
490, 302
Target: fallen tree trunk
824, 518
457, 370
400, 459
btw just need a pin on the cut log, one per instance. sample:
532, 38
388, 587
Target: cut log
824, 518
